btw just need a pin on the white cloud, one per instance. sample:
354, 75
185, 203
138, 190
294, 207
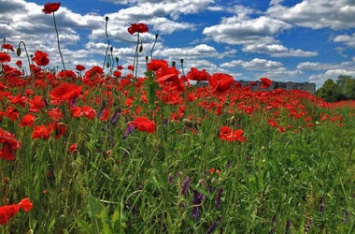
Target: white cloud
319, 79
237, 30
173, 9
256, 64
349, 40
317, 14
276, 50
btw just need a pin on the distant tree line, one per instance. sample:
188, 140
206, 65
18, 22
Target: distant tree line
342, 89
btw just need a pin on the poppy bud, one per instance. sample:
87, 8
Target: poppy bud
108, 64
116, 170
182, 61
173, 63
117, 59
141, 48
111, 48
188, 123
106, 18
156, 36
18, 51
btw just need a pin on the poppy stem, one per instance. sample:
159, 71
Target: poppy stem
155, 41
28, 57
108, 44
135, 62
60, 52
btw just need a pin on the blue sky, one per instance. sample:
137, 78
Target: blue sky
285, 40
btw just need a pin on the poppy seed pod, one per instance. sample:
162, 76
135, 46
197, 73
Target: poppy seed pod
141, 47
18, 51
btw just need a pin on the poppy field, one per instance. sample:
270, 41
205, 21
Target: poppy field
94, 150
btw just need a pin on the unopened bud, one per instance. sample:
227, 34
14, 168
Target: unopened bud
141, 48
173, 63
106, 18
117, 59
18, 51
108, 64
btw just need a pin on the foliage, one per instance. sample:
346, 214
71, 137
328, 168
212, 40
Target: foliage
342, 89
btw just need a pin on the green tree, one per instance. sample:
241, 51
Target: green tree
330, 91
347, 86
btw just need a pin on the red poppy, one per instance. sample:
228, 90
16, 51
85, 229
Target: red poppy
55, 114
117, 74
41, 132
8, 47
265, 83
220, 82
8, 211
139, 28
27, 120
66, 74
80, 67
9, 144
4, 57
19, 63
252, 83
36, 104
88, 112
94, 72
228, 134
11, 113
156, 64
41, 58
73, 148
144, 124
65, 91
59, 129
51, 7
197, 75
130, 67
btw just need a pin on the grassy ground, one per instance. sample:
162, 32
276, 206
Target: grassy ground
292, 173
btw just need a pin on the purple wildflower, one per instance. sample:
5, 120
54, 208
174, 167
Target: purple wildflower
346, 216
73, 102
217, 202
186, 187
197, 201
101, 112
115, 117
288, 226
45, 102
128, 131
212, 228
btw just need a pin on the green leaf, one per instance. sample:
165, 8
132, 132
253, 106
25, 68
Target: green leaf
94, 209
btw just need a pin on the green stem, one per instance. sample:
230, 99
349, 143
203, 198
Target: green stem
135, 63
28, 57
155, 42
60, 52
108, 44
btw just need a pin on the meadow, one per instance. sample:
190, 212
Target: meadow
98, 151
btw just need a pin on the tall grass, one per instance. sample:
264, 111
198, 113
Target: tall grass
299, 180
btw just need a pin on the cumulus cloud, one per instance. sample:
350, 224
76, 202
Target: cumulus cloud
319, 79
277, 50
234, 30
256, 64
316, 14
348, 40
